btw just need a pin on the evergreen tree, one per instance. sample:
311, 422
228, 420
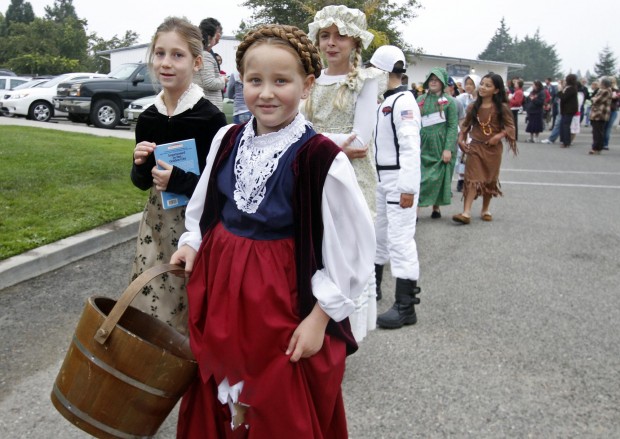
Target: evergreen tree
540, 59
17, 12
501, 45
606, 65
61, 11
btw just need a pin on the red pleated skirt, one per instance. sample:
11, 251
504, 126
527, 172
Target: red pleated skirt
242, 298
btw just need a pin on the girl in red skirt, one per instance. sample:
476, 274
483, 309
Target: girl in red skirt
279, 244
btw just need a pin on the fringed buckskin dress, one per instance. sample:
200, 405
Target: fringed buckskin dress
483, 160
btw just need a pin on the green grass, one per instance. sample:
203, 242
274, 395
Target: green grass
54, 184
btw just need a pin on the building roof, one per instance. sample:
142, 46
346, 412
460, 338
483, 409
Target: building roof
458, 59
141, 46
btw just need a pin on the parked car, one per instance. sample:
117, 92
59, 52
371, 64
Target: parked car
137, 107
37, 102
34, 82
102, 101
10, 82
7, 72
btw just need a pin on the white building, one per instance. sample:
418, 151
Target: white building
226, 48
418, 66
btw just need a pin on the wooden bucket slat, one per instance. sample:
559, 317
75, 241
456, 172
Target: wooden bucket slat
122, 380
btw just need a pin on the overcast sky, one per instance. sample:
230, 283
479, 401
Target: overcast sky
448, 27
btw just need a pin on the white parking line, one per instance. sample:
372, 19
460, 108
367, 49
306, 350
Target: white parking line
533, 183
560, 172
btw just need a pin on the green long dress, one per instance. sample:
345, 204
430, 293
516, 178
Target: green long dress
435, 187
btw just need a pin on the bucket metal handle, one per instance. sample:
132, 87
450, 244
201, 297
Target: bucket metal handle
129, 294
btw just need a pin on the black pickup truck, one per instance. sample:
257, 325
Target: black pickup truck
102, 101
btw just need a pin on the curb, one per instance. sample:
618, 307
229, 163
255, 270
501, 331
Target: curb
50, 257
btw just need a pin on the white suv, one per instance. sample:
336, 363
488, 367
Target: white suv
37, 103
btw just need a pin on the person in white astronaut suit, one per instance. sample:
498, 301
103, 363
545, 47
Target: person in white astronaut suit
397, 155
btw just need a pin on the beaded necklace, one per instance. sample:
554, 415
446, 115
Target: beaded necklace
486, 125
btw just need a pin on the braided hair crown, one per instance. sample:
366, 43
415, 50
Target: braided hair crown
291, 36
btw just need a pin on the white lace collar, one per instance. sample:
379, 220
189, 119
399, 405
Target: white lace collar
188, 99
257, 159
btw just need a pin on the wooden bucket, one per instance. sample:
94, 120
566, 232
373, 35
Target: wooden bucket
124, 370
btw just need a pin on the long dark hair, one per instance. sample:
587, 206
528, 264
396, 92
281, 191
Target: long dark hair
499, 98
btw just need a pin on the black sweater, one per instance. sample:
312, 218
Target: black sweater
201, 122
569, 104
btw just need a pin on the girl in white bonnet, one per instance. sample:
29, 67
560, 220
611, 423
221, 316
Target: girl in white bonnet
342, 106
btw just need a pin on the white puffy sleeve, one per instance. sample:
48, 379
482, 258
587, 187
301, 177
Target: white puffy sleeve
196, 205
348, 242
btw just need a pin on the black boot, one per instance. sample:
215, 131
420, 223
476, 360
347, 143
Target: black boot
379, 278
403, 310
459, 185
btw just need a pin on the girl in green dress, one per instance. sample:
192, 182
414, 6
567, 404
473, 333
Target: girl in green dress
439, 131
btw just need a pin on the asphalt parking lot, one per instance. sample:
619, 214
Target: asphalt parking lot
518, 333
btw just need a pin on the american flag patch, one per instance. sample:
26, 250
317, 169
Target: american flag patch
408, 114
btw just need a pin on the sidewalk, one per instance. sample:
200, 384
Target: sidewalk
57, 254
62, 125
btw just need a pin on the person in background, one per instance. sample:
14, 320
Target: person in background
555, 102
180, 112
440, 122
586, 97
234, 91
277, 247
569, 106
488, 121
464, 100
534, 107
575, 125
397, 152
615, 104
414, 90
515, 100
459, 87
209, 76
452, 89
600, 111
342, 104
218, 59
594, 89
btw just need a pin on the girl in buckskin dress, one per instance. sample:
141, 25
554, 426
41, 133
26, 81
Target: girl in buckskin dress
488, 122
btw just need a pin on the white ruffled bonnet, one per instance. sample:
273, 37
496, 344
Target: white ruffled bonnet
350, 22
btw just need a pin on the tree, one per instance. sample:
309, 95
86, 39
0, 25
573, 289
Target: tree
540, 59
606, 65
64, 47
17, 12
381, 15
61, 11
500, 46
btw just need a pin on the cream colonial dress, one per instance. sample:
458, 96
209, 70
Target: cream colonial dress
359, 116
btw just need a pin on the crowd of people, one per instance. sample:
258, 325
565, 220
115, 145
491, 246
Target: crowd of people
564, 106
304, 199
